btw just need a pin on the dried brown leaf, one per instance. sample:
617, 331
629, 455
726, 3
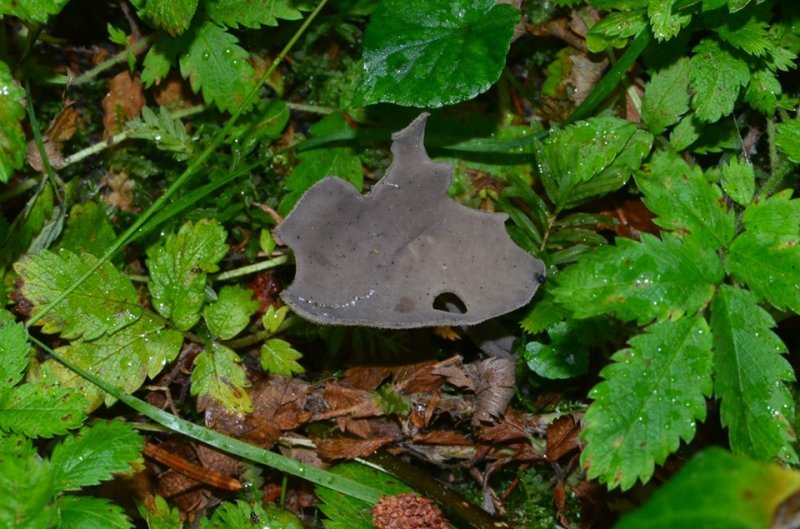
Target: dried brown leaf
348, 448
123, 102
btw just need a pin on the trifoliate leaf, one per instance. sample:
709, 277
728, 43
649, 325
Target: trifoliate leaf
36, 410
750, 376
666, 96
252, 15
85, 512
788, 139
648, 403
219, 375
244, 515
173, 16
13, 354
273, 318
12, 138
217, 66
278, 356
665, 22
316, 164
95, 454
641, 280
31, 10
716, 489
178, 269
767, 256
763, 91
105, 303
88, 230
427, 53
230, 314
162, 515
26, 486
564, 357
684, 201
124, 358
716, 75
614, 30
739, 180
163, 54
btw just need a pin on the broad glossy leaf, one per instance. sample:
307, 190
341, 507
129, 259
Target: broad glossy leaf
12, 138
429, 53
648, 403
105, 303
219, 375
651, 279
230, 314
750, 377
684, 201
717, 490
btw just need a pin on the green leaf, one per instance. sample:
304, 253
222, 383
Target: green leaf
272, 318
31, 10
763, 91
543, 315
178, 269
218, 375
666, 96
666, 24
36, 410
430, 53
716, 489
614, 30
13, 354
244, 12
648, 403
278, 356
95, 454
105, 303
124, 358
88, 230
266, 242
744, 31
12, 137
685, 202
788, 139
685, 133
739, 180
230, 314
564, 357
767, 256
85, 512
217, 66
641, 280
173, 16
716, 77
750, 376
244, 515
316, 164
162, 516
166, 132
160, 58
26, 486
391, 402
346, 512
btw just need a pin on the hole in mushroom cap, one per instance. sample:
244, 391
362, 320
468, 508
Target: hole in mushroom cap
449, 302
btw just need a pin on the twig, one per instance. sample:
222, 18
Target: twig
135, 48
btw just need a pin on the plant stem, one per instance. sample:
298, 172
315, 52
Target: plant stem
253, 268
89, 75
26, 184
254, 338
778, 169
315, 109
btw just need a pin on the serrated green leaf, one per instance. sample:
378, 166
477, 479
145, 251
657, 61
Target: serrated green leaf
684, 201
12, 137
87, 230
564, 357
273, 318
716, 77
26, 486
166, 132
685, 133
160, 58
767, 256
788, 139
666, 96
85, 512
745, 32
430, 53
543, 315
219, 375
346, 512
105, 303
230, 314
245, 13
279, 357
648, 403
739, 180
245, 515
716, 489
178, 269
31, 10
614, 30
13, 354
665, 22
651, 279
750, 376
36, 410
763, 91
173, 16
95, 454
217, 67
162, 516
316, 164
124, 358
